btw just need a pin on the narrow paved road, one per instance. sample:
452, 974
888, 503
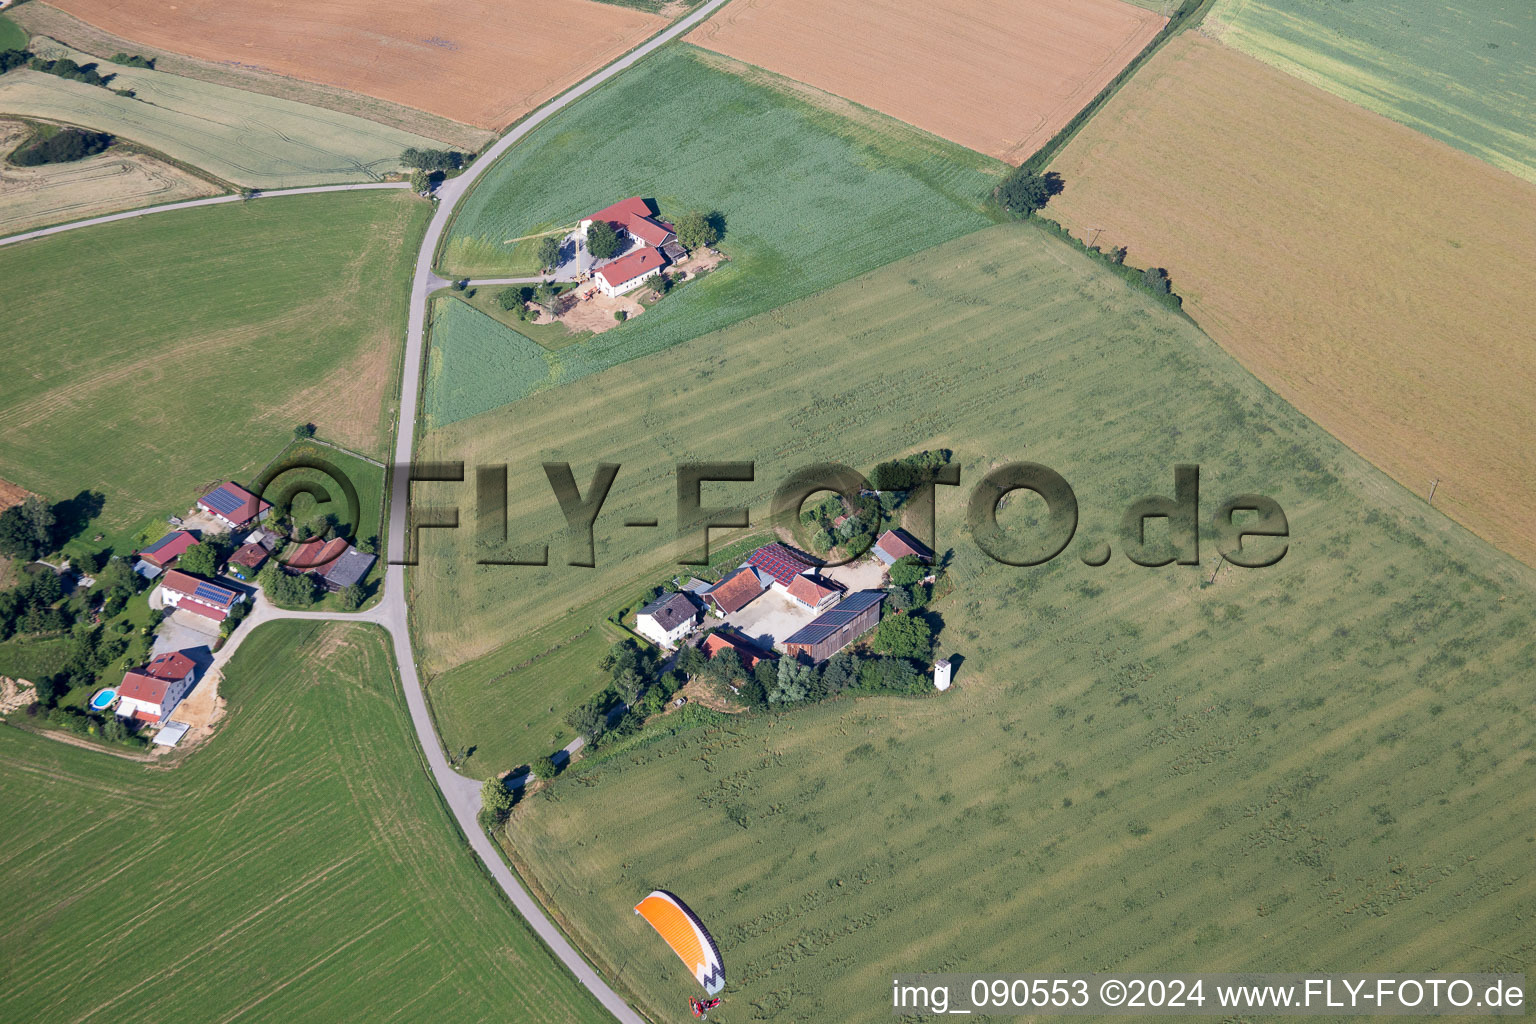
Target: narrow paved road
193, 203
463, 795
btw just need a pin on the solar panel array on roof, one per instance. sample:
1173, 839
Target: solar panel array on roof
157, 545
857, 602
778, 561
209, 592
222, 500
834, 619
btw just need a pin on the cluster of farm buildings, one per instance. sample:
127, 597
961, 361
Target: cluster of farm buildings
653, 246
777, 602
197, 607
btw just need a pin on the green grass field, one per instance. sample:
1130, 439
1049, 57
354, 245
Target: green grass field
1323, 765
849, 191
510, 706
153, 357
301, 866
1463, 73
242, 137
12, 35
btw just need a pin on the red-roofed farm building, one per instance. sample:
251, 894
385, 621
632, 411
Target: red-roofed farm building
629, 272
233, 505
189, 593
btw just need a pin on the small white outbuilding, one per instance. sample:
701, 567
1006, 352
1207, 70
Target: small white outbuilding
941, 674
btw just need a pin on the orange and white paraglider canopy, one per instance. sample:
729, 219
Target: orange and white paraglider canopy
676, 924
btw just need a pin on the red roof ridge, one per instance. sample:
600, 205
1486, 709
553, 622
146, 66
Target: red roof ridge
630, 266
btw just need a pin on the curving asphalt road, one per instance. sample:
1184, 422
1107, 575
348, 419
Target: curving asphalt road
191, 203
463, 795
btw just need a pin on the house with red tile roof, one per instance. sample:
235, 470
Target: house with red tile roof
814, 592
735, 592
629, 272
315, 554
163, 553
233, 505
898, 543
151, 693
633, 217
247, 561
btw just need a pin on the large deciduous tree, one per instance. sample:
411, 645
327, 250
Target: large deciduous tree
602, 240
696, 229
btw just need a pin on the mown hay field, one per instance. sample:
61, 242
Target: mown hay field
1379, 280
300, 866
152, 357
849, 190
1000, 345
1462, 73
997, 77
247, 139
119, 179
477, 61
524, 690
1322, 765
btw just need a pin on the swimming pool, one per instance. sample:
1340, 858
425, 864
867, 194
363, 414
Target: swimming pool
103, 700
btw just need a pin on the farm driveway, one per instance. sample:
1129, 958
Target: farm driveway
185, 631
770, 618
868, 573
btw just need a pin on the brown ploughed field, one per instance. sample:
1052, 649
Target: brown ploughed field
997, 76
1379, 280
481, 62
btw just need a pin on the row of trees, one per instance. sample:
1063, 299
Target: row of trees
64, 67
439, 160
637, 688
901, 646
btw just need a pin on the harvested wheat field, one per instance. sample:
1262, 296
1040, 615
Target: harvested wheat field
480, 62
118, 179
998, 76
1379, 280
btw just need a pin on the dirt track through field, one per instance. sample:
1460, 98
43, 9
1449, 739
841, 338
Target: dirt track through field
475, 61
998, 76
1379, 280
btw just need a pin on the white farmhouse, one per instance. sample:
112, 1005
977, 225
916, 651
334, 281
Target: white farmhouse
152, 693
667, 619
627, 273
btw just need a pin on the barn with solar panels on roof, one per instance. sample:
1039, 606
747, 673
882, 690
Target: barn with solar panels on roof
233, 505
837, 627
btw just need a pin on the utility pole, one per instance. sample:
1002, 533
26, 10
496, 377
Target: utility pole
1432, 487
1093, 233
1219, 563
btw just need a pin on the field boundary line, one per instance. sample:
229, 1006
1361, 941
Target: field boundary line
189, 204
1189, 15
